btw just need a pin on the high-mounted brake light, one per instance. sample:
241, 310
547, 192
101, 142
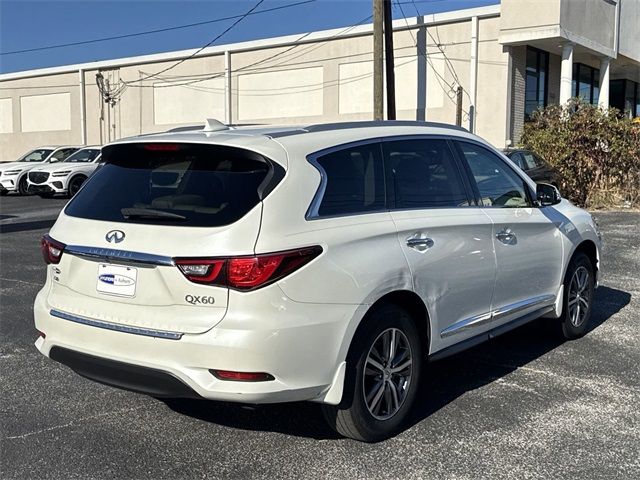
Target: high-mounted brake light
161, 147
246, 273
51, 250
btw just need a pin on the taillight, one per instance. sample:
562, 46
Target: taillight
201, 270
246, 273
51, 250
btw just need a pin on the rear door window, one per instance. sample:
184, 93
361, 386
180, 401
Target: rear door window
423, 174
353, 181
174, 184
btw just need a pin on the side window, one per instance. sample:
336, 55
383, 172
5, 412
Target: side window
423, 174
354, 181
530, 160
499, 185
517, 159
58, 156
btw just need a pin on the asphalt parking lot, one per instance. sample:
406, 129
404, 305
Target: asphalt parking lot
525, 405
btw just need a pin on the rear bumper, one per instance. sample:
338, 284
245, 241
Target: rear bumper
303, 355
123, 375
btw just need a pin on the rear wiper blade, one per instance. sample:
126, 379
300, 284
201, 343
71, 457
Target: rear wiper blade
149, 213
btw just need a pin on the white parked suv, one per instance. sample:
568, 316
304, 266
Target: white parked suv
13, 175
66, 176
324, 263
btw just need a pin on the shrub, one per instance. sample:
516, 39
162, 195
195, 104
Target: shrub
596, 152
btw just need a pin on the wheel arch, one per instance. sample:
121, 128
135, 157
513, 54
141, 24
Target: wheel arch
589, 248
409, 301
73, 177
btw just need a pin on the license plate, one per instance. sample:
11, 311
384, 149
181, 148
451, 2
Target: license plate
117, 280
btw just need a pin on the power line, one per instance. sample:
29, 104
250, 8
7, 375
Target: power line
426, 57
296, 44
150, 32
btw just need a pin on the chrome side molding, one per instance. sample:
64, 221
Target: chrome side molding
117, 256
468, 323
147, 332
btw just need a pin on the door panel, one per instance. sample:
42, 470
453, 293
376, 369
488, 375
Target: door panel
528, 248
447, 242
528, 245
455, 274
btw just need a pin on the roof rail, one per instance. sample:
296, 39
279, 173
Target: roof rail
323, 127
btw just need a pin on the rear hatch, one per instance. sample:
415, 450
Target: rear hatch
148, 205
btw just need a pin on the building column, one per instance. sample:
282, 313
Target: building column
566, 73
473, 75
228, 95
83, 108
603, 98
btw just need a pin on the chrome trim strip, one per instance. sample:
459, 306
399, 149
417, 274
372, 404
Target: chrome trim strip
467, 323
542, 300
117, 256
147, 332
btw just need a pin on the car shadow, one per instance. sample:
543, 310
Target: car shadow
26, 226
444, 380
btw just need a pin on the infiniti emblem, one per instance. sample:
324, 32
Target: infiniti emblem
114, 236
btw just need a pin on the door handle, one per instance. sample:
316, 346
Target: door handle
506, 236
419, 242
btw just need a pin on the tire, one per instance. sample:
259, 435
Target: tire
381, 417
75, 183
578, 297
3, 192
23, 187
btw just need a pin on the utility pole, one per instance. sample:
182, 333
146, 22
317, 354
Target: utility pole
389, 62
459, 106
378, 95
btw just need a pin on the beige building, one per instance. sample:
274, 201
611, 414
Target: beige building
510, 59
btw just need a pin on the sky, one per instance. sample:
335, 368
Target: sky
27, 24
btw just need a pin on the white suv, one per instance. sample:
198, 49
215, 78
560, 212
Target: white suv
324, 263
13, 175
66, 176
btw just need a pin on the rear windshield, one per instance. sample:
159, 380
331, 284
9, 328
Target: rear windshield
173, 184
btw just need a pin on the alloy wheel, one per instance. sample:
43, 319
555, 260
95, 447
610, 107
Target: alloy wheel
387, 374
579, 296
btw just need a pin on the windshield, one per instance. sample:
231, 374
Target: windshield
172, 184
38, 155
88, 155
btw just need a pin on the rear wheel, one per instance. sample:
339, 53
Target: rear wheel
75, 184
383, 371
23, 187
578, 297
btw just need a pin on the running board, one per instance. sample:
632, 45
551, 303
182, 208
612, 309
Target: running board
494, 332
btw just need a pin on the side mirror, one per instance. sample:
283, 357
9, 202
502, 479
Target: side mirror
547, 195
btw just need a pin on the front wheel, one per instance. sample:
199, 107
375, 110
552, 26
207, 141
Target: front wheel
23, 187
383, 372
75, 184
578, 297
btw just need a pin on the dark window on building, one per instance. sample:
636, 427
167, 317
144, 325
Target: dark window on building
586, 83
536, 81
423, 174
625, 96
354, 181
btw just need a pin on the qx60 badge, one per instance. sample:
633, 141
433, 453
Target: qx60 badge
114, 236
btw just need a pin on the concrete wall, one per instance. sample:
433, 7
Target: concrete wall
591, 23
629, 43
39, 111
320, 81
